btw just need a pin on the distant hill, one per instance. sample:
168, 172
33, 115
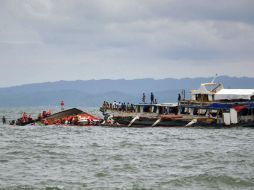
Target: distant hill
93, 92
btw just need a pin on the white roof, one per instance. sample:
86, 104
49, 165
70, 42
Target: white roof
234, 94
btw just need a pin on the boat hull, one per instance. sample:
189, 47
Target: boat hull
149, 122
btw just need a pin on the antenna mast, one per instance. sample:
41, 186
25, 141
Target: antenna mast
216, 76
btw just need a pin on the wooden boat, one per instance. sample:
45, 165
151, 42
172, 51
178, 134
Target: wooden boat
210, 105
146, 115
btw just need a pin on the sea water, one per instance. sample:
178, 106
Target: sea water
61, 157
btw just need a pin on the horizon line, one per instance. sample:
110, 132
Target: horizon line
147, 78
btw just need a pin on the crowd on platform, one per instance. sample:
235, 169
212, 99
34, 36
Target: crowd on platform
120, 106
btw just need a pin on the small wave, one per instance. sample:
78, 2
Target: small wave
3, 161
218, 182
55, 188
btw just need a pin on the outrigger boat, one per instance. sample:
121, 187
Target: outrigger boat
144, 115
210, 105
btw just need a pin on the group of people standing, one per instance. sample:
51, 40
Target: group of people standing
122, 106
119, 106
152, 98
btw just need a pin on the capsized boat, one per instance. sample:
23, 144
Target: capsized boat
71, 116
87, 119
60, 116
74, 117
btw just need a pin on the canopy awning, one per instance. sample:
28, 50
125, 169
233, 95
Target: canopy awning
234, 94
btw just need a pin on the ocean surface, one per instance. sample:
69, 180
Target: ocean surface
60, 157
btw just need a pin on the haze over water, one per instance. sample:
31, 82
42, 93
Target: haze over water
58, 157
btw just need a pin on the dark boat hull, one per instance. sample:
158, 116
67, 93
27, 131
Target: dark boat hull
20, 123
149, 122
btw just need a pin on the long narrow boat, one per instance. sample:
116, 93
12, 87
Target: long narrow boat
210, 105
144, 115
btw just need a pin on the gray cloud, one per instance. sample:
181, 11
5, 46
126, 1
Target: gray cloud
47, 40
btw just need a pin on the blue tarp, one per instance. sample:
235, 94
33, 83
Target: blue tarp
211, 106
250, 106
219, 106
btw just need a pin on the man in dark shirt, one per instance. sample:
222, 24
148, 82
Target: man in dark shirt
152, 98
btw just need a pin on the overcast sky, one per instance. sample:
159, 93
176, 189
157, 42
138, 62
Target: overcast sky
50, 40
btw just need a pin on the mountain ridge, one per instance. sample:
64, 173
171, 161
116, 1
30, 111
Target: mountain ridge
93, 92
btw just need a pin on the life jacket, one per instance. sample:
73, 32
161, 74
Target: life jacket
24, 114
23, 120
58, 122
45, 122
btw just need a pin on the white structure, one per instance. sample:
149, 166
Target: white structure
235, 94
206, 92
215, 92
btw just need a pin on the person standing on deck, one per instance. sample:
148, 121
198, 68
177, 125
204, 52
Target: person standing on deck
179, 98
62, 105
114, 105
152, 98
144, 98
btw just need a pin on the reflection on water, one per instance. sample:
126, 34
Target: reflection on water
36, 157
